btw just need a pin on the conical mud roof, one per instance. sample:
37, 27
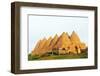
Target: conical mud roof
39, 46
63, 41
75, 38
53, 42
47, 43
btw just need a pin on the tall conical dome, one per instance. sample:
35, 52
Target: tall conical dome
53, 42
75, 38
34, 51
43, 43
37, 50
47, 43
63, 41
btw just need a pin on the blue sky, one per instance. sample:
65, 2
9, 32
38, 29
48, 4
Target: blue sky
45, 26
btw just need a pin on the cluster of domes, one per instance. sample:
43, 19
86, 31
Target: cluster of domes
63, 44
